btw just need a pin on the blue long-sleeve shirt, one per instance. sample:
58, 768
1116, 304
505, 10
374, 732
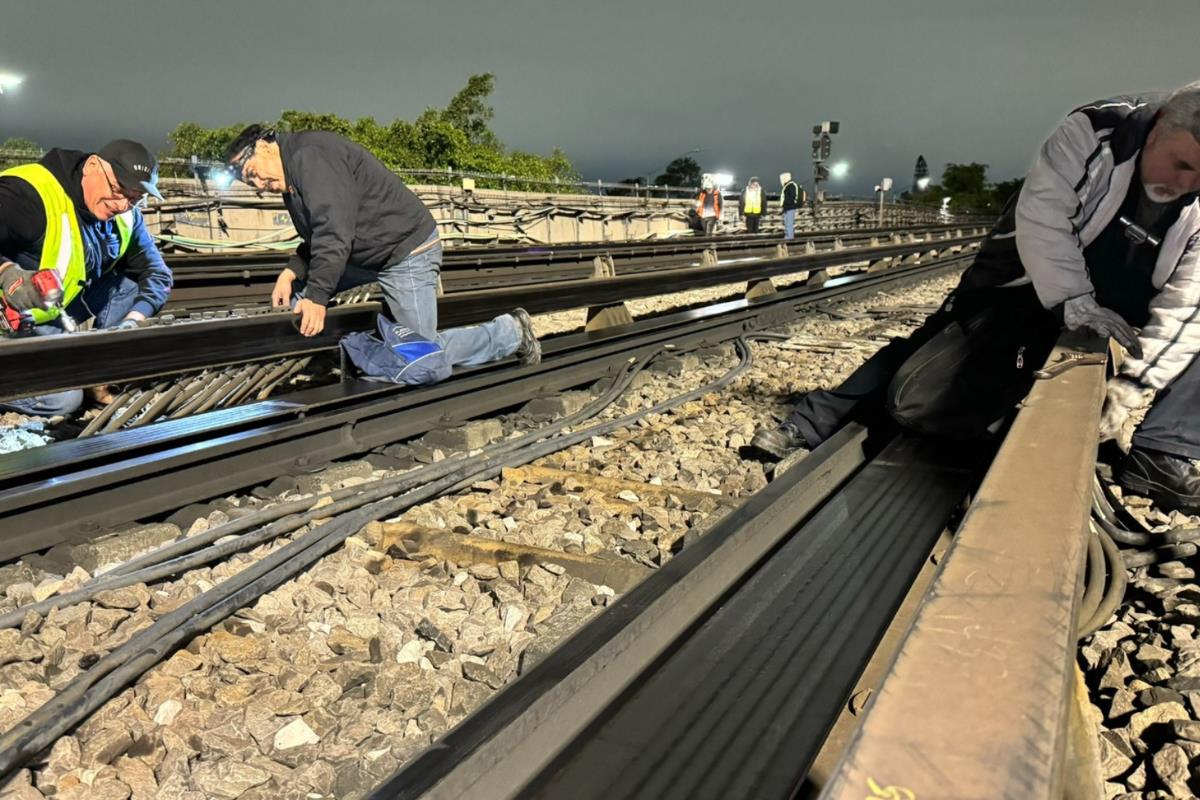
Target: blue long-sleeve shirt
23, 227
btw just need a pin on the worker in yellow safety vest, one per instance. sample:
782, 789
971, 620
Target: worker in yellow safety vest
74, 246
754, 204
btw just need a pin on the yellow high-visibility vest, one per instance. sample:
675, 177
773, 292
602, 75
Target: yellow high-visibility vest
62, 245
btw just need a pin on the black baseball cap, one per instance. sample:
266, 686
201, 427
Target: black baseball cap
134, 165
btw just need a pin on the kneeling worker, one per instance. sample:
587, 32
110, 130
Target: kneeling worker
77, 216
1104, 235
360, 224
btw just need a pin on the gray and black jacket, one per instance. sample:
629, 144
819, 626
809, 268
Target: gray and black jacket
1073, 191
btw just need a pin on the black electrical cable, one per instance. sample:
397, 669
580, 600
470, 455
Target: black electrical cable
1094, 577
1159, 555
1115, 593
192, 552
1114, 509
1121, 535
88, 691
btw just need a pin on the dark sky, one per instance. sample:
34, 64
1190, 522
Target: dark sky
623, 86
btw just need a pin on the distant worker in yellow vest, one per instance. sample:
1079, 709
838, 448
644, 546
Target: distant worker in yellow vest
78, 214
754, 204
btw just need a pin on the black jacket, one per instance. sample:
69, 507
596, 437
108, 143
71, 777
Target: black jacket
23, 226
792, 196
348, 208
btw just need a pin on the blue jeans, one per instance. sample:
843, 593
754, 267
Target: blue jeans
1171, 425
108, 299
789, 224
410, 291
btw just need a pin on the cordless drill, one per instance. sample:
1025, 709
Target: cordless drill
23, 290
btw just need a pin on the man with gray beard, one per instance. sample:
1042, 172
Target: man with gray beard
1104, 236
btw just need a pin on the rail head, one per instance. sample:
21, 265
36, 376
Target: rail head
975, 702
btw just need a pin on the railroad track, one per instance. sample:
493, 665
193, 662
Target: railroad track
170, 346
207, 282
766, 619
74, 489
136, 650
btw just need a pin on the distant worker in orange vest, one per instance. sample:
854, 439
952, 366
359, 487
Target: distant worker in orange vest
708, 204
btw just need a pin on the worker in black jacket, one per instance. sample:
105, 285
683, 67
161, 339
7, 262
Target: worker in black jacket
78, 214
360, 224
791, 198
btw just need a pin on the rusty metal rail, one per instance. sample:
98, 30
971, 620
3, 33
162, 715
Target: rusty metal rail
977, 702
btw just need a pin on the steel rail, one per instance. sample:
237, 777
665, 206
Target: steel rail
205, 281
55, 363
988, 665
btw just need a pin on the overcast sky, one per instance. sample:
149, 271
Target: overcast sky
622, 86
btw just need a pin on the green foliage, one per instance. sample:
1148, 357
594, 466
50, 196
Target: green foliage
681, 172
458, 138
965, 179
19, 143
968, 188
207, 144
470, 112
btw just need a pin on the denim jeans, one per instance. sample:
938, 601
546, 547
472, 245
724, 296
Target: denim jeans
1172, 425
410, 291
789, 224
108, 299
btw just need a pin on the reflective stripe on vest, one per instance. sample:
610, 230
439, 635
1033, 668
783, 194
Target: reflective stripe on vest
783, 196
753, 201
62, 243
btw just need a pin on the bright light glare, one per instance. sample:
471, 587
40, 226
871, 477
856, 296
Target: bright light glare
722, 179
9, 81
222, 178
922, 183
839, 170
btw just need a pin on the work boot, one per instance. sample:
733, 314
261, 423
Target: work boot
778, 442
1172, 482
530, 349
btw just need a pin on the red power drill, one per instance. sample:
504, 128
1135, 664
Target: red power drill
23, 290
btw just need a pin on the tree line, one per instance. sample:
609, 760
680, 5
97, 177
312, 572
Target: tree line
458, 137
968, 187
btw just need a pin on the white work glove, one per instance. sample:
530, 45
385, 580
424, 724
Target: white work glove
1121, 399
1085, 312
127, 324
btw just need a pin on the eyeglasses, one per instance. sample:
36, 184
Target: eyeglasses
237, 165
135, 200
